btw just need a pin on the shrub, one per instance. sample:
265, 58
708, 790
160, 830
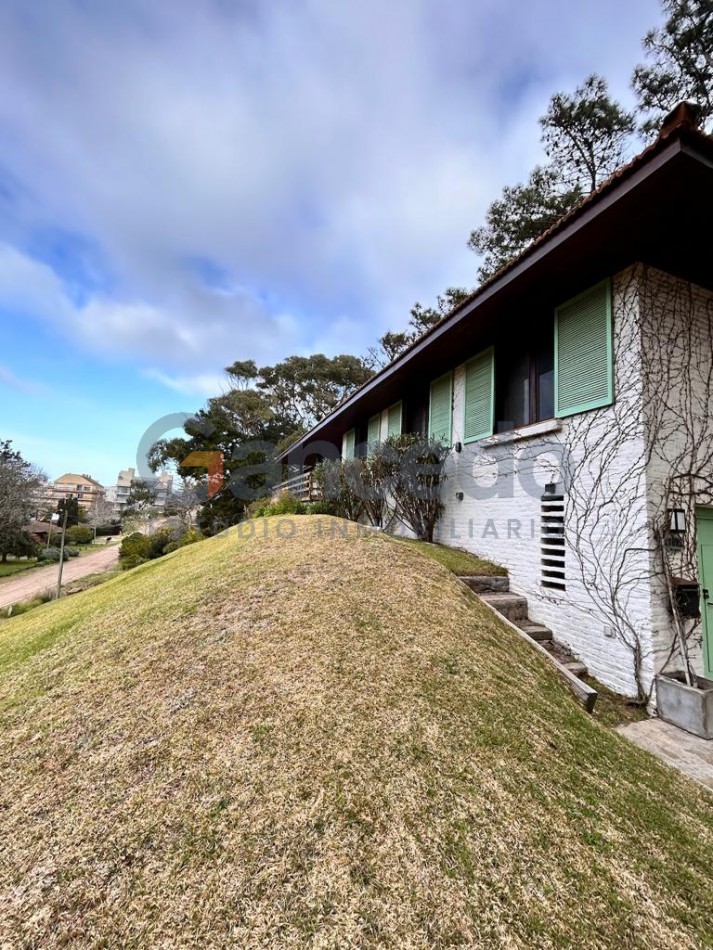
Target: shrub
412, 469
138, 548
286, 504
80, 534
108, 530
71, 552
322, 507
135, 549
51, 555
342, 486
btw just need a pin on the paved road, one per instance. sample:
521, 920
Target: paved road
35, 581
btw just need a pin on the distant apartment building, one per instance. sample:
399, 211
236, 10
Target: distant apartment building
161, 484
88, 492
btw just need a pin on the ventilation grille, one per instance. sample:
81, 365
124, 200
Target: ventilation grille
552, 542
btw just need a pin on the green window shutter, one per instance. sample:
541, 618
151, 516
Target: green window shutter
350, 444
479, 396
440, 410
374, 433
394, 421
584, 375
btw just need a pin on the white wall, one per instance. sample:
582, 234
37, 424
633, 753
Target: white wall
499, 518
677, 321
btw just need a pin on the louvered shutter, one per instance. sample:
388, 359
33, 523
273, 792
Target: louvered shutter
374, 433
479, 396
350, 444
583, 352
439, 417
394, 420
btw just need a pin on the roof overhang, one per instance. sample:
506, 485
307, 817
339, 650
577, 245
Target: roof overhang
656, 211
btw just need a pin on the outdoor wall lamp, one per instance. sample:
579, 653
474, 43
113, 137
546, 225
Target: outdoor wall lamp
458, 447
459, 495
676, 527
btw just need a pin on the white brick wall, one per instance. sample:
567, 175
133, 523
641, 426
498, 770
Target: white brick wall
500, 519
601, 459
677, 320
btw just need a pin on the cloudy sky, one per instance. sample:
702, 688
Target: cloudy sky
184, 183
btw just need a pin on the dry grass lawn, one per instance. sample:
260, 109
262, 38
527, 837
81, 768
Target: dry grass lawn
322, 741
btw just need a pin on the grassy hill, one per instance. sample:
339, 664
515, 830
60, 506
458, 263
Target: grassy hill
326, 741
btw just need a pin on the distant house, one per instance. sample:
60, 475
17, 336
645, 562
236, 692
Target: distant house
161, 484
575, 389
88, 492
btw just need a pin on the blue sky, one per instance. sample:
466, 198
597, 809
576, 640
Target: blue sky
184, 183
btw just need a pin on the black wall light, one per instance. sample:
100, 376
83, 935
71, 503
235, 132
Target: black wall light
458, 447
676, 527
460, 496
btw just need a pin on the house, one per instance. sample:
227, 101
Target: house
161, 486
575, 390
88, 492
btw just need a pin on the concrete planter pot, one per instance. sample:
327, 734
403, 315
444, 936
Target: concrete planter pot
688, 707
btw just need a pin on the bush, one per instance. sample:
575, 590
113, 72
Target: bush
71, 552
135, 549
342, 486
138, 548
108, 530
51, 555
323, 507
285, 505
80, 534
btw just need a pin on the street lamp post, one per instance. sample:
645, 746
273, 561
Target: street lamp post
61, 553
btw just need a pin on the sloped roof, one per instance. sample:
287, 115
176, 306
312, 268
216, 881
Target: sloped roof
679, 126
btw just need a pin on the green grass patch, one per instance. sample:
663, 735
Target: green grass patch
16, 567
612, 709
461, 563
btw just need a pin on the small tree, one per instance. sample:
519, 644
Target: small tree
342, 484
413, 471
71, 506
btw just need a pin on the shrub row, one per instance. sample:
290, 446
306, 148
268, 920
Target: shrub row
138, 548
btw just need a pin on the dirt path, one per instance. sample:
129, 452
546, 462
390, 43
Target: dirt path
37, 580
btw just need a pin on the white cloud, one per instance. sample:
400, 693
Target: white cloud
27, 387
207, 384
201, 330
331, 157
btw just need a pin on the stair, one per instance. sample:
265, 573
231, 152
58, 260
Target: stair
496, 592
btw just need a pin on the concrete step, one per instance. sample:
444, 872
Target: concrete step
536, 630
509, 605
488, 585
565, 656
576, 668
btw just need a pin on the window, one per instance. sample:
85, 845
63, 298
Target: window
394, 420
374, 431
525, 380
583, 349
350, 444
479, 399
440, 409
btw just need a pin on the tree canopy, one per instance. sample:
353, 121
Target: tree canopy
680, 63
20, 484
586, 135
240, 431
